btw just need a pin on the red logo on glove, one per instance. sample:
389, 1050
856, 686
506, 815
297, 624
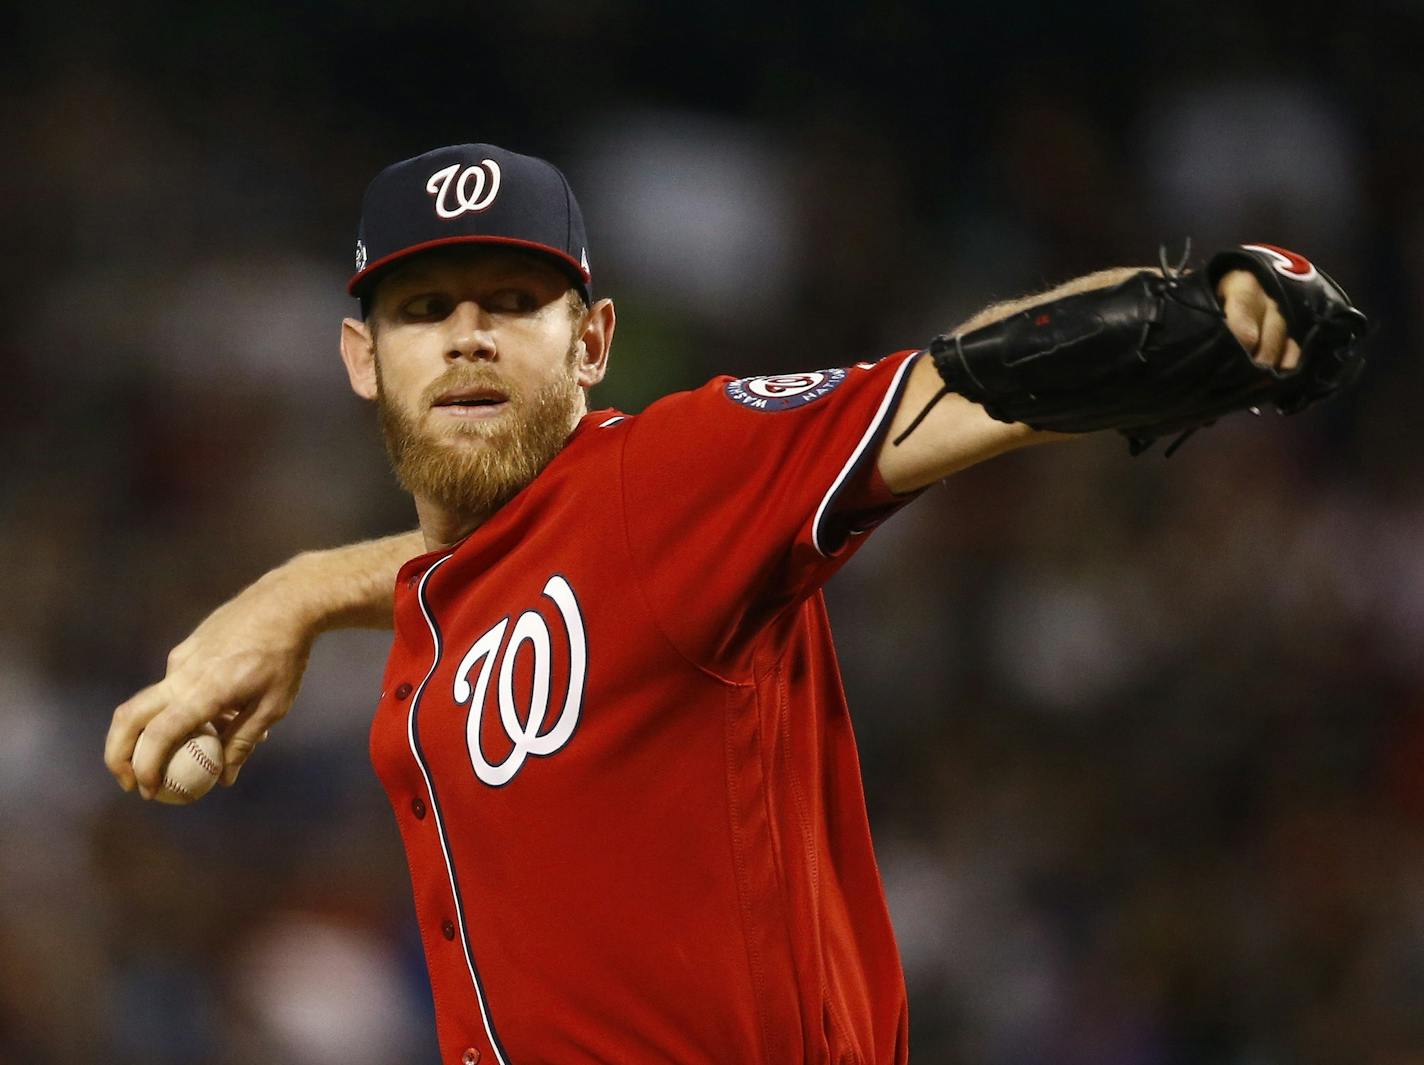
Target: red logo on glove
1286, 263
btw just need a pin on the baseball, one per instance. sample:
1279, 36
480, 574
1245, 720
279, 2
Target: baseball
193, 768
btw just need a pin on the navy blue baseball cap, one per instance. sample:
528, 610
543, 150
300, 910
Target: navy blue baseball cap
470, 194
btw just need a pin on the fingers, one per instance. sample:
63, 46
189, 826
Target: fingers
1255, 320
129, 720
160, 735
1244, 323
249, 730
1273, 339
226, 672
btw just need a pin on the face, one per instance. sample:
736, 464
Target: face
478, 360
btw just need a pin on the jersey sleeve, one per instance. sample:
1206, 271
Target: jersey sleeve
742, 497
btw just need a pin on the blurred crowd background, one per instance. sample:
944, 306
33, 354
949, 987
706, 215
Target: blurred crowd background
1142, 739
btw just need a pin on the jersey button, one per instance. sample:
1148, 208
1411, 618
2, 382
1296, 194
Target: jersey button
402, 691
417, 807
471, 1057
448, 929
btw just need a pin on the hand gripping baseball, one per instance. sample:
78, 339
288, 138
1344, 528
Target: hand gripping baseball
240, 670
1154, 355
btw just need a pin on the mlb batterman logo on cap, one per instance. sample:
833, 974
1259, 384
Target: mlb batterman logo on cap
470, 194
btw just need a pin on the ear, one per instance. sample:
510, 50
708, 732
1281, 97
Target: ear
358, 352
594, 341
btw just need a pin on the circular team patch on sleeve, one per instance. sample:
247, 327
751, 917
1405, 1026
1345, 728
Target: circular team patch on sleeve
785, 391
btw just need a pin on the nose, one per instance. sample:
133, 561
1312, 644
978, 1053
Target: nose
470, 334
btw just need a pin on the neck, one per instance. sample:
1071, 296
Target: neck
443, 527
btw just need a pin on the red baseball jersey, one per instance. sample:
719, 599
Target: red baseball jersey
616, 742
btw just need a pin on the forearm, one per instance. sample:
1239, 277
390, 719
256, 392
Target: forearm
343, 587
997, 312
958, 433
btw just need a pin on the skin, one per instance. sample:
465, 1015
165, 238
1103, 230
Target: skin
507, 311
958, 433
504, 309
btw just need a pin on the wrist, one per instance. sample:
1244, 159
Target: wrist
297, 592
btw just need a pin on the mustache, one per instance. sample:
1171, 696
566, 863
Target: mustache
460, 378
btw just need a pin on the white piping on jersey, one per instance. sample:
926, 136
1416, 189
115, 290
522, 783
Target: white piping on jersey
869, 435
610, 421
435, 810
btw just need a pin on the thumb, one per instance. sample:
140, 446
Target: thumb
1244, 325
244, 738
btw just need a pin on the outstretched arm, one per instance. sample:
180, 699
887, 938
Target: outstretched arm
958, 433
241, 668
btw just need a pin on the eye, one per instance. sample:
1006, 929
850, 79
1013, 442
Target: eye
426, 306
512, 301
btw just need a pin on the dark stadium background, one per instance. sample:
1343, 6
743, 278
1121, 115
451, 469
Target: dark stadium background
1142, 739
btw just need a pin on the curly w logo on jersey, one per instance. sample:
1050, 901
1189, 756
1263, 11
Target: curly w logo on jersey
520, 722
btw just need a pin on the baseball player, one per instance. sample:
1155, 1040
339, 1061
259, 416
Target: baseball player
612, 727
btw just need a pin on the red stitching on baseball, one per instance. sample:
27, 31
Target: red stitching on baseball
200, 757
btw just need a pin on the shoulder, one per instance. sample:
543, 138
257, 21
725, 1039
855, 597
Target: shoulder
770, 393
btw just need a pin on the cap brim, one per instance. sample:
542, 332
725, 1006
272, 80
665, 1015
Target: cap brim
363, 278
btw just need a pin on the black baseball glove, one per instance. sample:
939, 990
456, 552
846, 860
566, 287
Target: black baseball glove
1153, 356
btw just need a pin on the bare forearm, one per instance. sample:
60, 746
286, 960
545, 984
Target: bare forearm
344, 587
958, 433
997, 312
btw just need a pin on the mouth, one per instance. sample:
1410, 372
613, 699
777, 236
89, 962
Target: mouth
480, 402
